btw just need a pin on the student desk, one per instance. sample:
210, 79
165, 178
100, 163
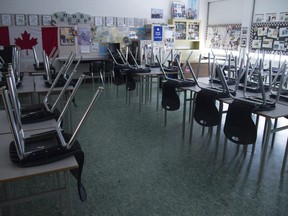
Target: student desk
146, 81
5, 127
10, 172
41, 88
281, 110
27, 85
25, 88
146, 86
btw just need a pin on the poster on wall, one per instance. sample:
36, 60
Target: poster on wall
169, 36
192, 9
67, 36
157, 33
156, 13
223, 36
84, 36
269, 37
178, 10
283, 16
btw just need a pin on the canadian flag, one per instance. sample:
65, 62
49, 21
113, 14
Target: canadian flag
25, 37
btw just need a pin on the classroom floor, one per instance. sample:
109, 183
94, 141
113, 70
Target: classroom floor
134, 166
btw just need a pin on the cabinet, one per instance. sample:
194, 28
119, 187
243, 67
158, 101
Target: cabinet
186, 34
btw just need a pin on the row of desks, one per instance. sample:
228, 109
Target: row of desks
9, 172
281, 110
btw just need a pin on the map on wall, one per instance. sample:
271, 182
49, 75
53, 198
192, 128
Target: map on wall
270, 37
223, 36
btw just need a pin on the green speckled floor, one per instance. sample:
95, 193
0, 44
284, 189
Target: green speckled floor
135, 166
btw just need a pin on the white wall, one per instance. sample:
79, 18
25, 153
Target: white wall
225, 12
268, 6
115, 8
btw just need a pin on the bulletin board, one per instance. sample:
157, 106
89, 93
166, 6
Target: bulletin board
226, 36
269, 37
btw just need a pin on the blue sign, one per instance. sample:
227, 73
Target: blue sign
157, 33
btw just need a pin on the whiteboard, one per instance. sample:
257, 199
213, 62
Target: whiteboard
268, 6
225, 12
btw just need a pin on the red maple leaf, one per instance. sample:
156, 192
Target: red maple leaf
26, 42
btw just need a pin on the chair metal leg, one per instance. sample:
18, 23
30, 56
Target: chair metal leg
92, 75
284, 160
165, 118
274, 134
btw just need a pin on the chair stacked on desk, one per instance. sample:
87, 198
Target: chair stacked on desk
171, 86
53, 145
15, 63
39, 112
127, 67
239, 126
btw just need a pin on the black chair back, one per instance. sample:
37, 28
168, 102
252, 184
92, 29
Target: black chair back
170, 98
239, 126
206, 112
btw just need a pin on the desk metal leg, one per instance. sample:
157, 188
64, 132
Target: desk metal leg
267, 130
165, 117
192, 118
150, 88
57, 185
141, 93
184, 115
8, 197
284, 160
274, 134
257, 124
158, 86
68, 194
219, 128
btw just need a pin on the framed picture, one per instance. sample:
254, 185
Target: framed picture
258, 18
244, 31
67, 37
243, 42
279, 45
141, 22
20, 19
98, 21
131, 22
271, 17
6, 19
109, 21
178, 10
283, 32
256, 44
120, 21
33, 20
283, 16
46, 20
156, 13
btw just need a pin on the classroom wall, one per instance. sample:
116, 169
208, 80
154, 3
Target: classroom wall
116, 8
238, 10
268, 6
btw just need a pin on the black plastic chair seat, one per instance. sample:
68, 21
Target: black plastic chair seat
170, 69
39, 116
170, 99
206, 112
142, 70
61, 82
253, 87
40, 66
239, 126
47, 148
130, 81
